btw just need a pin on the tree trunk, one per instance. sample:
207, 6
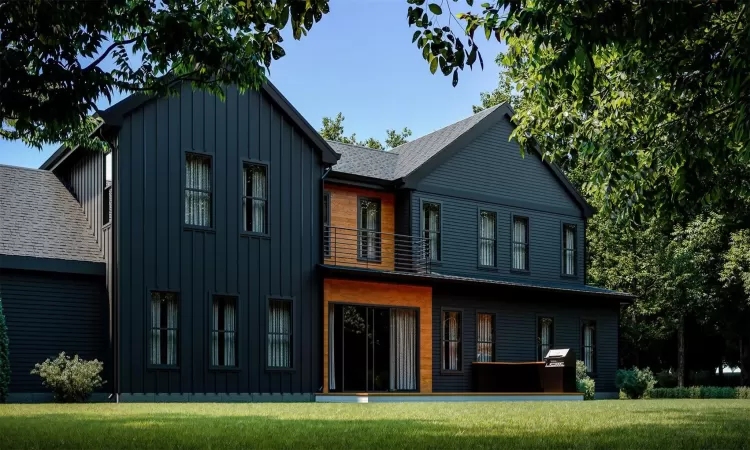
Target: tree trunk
681, 352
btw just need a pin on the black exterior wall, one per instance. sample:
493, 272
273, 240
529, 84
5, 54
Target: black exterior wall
48, 313
516, 314
156, 251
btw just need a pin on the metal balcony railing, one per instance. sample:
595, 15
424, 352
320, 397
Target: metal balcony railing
353, 247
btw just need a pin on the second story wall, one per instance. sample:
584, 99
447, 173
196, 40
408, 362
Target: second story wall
490, 175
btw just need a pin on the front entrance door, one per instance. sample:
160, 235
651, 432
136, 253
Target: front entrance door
372, 349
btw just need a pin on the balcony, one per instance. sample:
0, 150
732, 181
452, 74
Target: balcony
351, 247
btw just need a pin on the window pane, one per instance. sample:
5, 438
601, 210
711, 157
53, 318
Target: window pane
279, 334
485, 337
164, 331
452, 340
589, 345
569, 250
545, 336
224, 332
520, 243
431, 230
487, 233
108, 169
198, 190
255, 195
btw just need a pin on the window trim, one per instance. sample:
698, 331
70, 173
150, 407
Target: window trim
538, 344
480, 238
422, 201
238, 342
243, 232
513, 218
443, 310
186, 226
378, 231
563, 250
295, 332
327, 252
148, 329
494, 334
583, 321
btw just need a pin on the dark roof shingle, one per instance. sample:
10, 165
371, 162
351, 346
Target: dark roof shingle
40, 218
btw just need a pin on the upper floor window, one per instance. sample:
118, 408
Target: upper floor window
545, 336
520, 243
164, 340
451, 336
224, 331
569, 249
485, 337
431, 230
326, 224
369, 229
107, 198
255, 198
588, 344
280, 334
198, 187
487, 238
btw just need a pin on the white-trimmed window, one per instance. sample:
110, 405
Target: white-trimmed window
520, 243
165, 320
224, 331
487, 238
255, 198
198, 187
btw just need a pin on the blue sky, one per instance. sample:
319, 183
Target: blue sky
358, 60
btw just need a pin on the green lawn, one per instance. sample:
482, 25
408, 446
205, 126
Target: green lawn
640, 424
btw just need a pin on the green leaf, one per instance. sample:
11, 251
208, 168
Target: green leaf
455, 77
416, 35
433, 65
435, 8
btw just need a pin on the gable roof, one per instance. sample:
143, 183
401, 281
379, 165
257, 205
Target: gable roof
408, 163
114, 115
41, 219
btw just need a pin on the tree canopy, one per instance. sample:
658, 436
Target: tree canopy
333, 130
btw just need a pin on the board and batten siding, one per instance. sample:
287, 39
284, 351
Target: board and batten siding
491, 174
516, 314
48, 313
158, 252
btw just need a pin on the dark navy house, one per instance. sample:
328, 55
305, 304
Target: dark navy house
222, 250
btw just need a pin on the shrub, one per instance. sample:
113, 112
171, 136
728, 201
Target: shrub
635, 382
4, 357
584, 383
701, 392
71, 380
666, 379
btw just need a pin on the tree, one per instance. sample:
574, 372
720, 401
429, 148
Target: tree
333, 130
654, 95
4, 357
54, 55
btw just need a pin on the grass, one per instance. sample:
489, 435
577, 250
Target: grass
638, 424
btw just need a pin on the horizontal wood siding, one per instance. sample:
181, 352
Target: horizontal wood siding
516, 314
384, 294
460, 239
159, 253
48, 313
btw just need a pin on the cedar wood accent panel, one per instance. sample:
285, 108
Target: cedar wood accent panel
158, 252
516, 313
344, 214
387, 294
48, 313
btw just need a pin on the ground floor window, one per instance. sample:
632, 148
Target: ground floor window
164, 339
224, 331
372, 349
545, 336
588, 344
280, 334
452, 350
485, 337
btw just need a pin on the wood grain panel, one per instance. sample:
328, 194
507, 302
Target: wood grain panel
344, 212
384, 294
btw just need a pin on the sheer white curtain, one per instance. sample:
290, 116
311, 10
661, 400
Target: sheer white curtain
485, 338
487, 238
452, 337
432, 229
545, 336
519, 244
164, 328
403, 370
588, 347
172, 332
279, 334
570, 245
198, 190
230, 318
331, 349
215, 334
255, 197
155, 330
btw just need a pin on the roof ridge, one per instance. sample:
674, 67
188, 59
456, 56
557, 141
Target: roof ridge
360, 146
31, 169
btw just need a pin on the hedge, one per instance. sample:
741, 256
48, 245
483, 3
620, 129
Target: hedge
701, 392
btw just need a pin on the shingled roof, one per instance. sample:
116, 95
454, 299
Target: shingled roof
40, 218
402, 160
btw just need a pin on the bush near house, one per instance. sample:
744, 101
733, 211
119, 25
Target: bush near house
635, 383
584, 383
701, 392
4, 356
71, 380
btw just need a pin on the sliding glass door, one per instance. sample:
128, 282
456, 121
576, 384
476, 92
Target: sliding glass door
372, 349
